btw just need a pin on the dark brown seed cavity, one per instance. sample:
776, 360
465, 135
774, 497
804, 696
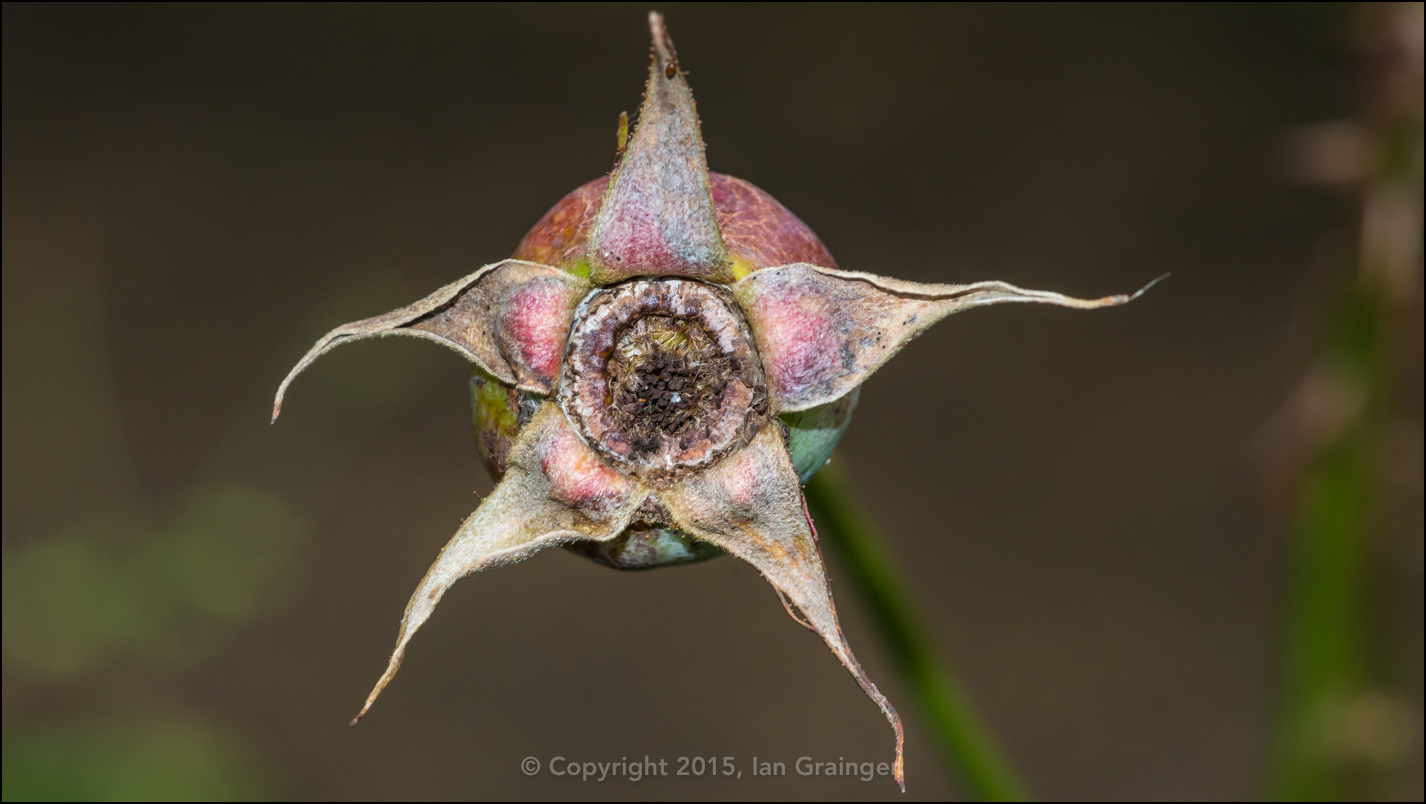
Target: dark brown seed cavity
661, 376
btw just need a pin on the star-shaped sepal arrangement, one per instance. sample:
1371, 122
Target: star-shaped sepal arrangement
667, 357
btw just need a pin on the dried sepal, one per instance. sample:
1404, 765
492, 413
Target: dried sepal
657, 216
555, 491
510, 318
751, 505
823, 331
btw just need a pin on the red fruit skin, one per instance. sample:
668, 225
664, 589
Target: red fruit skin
761, 232
758, 231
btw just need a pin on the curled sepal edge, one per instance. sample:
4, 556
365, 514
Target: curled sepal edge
822, 331
556, 491
510, 318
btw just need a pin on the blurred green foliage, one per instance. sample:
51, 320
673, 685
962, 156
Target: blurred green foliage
1347, 724
113, 586
117, 588
157, 760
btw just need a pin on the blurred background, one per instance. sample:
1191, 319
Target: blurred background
1097, 512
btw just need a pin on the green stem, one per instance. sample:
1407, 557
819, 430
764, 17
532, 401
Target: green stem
965, 743
1324, 650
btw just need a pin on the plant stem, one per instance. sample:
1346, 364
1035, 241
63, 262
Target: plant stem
1340, 710
1332, 687
965, 743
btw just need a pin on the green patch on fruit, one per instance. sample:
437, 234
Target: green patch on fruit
491, 407
812, 434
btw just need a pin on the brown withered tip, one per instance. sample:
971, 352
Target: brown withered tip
663, 46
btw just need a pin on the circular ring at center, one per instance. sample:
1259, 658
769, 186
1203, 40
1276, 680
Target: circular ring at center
661, 377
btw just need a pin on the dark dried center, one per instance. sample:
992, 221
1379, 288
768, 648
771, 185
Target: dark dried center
661, 376
666, 378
